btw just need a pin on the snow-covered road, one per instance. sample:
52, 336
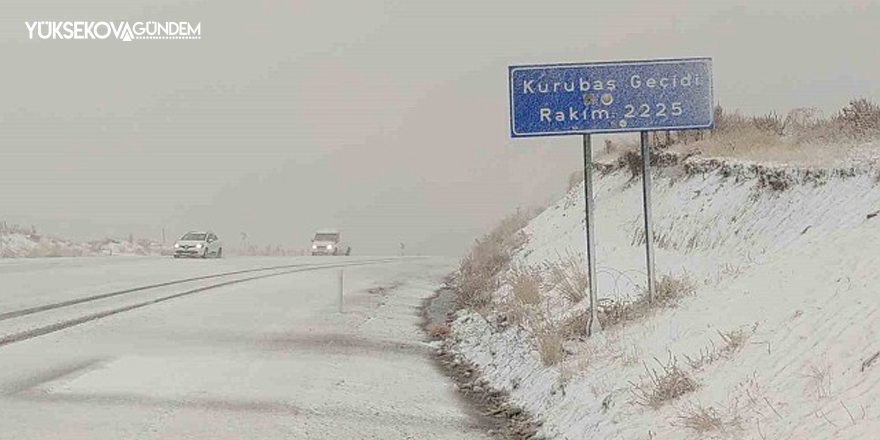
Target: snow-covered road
265, 358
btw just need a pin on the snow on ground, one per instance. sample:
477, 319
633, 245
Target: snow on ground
795, 271
265, 359
19, 244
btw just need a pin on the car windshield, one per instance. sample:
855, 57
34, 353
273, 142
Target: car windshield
326, 237
194, 237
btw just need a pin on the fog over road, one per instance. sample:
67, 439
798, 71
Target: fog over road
262, 358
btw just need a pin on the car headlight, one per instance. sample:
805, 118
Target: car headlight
314, 246
198, 246
329, 246
176, 245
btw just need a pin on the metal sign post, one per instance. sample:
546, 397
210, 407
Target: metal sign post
611, 97
590, 233
649, 232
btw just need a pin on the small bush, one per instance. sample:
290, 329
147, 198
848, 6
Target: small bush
525, 285
657, 388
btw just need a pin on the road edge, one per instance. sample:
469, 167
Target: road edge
504, 419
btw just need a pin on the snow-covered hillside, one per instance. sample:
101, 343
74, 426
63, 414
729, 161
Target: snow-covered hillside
779, 339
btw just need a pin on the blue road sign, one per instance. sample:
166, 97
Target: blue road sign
622, 96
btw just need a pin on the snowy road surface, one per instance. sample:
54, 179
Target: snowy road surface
264, 358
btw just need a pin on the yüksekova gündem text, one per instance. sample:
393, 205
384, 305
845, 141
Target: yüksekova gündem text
85, 30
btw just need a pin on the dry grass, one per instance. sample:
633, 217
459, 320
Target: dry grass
669, 290
818, 377
732, 342
702, 420
575, 325
801, 137
659, 387
569, 276
746, 141
477, 277
525, 285
549, 342
438, 330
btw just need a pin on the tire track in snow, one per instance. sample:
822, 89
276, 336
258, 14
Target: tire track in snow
62, 325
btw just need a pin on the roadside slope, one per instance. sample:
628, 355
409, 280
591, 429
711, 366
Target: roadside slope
777, 341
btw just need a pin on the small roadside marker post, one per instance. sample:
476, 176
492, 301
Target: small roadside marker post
341, 285
611, 97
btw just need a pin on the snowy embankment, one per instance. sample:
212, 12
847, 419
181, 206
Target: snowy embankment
778, 340
17, 244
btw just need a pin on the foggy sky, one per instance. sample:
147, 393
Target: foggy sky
387, 120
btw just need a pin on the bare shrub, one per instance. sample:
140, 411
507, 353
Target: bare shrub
705, 419
438, 330
669, 290
657, 388
569, 276
860, 118
477, 277
525, 285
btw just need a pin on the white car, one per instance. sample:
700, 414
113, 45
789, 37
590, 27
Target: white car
327, 242
198, 244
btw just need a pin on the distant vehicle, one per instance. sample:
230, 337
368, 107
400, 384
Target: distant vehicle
198, 244
328, 242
